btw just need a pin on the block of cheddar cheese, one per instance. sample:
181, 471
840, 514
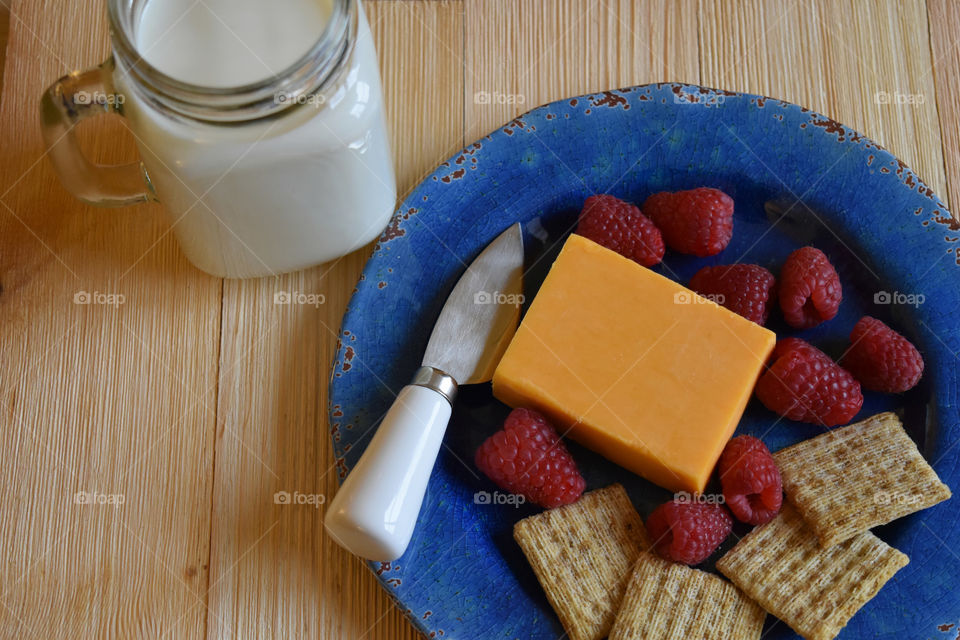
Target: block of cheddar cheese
633, 365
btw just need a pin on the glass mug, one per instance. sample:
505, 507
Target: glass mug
262, 178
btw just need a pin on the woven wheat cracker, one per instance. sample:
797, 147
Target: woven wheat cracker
670, 601
582, 555
852, 479
814, 590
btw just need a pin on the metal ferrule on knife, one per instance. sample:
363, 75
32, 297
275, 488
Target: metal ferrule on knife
437, 380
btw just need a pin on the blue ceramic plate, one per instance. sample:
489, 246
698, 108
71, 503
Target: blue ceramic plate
797, 178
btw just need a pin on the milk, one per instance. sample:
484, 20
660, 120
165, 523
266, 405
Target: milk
270, 195
227, 43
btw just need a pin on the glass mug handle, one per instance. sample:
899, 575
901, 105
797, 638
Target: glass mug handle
70, 100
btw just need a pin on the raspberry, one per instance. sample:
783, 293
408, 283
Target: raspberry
698, 221
688, 532
743, 288
810, 291
802, 383
621, 227
882, 359
529, 458
751, 480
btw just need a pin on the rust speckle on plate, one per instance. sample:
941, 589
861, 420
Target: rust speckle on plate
609, 99
900, 166
456, 175
830, 126
944, 218
392, 232
516, 123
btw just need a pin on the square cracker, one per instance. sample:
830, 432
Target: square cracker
582, 554
852, 479
814, 590
670, 601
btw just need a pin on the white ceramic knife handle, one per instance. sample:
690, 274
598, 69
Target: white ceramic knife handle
374, 512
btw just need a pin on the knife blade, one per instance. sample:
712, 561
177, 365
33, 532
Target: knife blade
481, 313
374, 513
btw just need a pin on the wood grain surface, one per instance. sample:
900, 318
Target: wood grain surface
195, 400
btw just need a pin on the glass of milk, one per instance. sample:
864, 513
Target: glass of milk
259, 125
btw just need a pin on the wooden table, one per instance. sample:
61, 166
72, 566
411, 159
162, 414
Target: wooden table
197, 398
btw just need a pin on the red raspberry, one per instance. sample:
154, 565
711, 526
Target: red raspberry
802, 383
751, 480
698, 221
529, 458
810, 289
882, 359
688, 532
621, 227
743, 288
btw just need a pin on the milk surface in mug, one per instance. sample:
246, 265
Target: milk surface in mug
228, 43
273, 194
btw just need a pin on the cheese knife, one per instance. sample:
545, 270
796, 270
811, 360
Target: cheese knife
374, 512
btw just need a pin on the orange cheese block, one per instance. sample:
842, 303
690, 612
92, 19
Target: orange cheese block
633, 365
